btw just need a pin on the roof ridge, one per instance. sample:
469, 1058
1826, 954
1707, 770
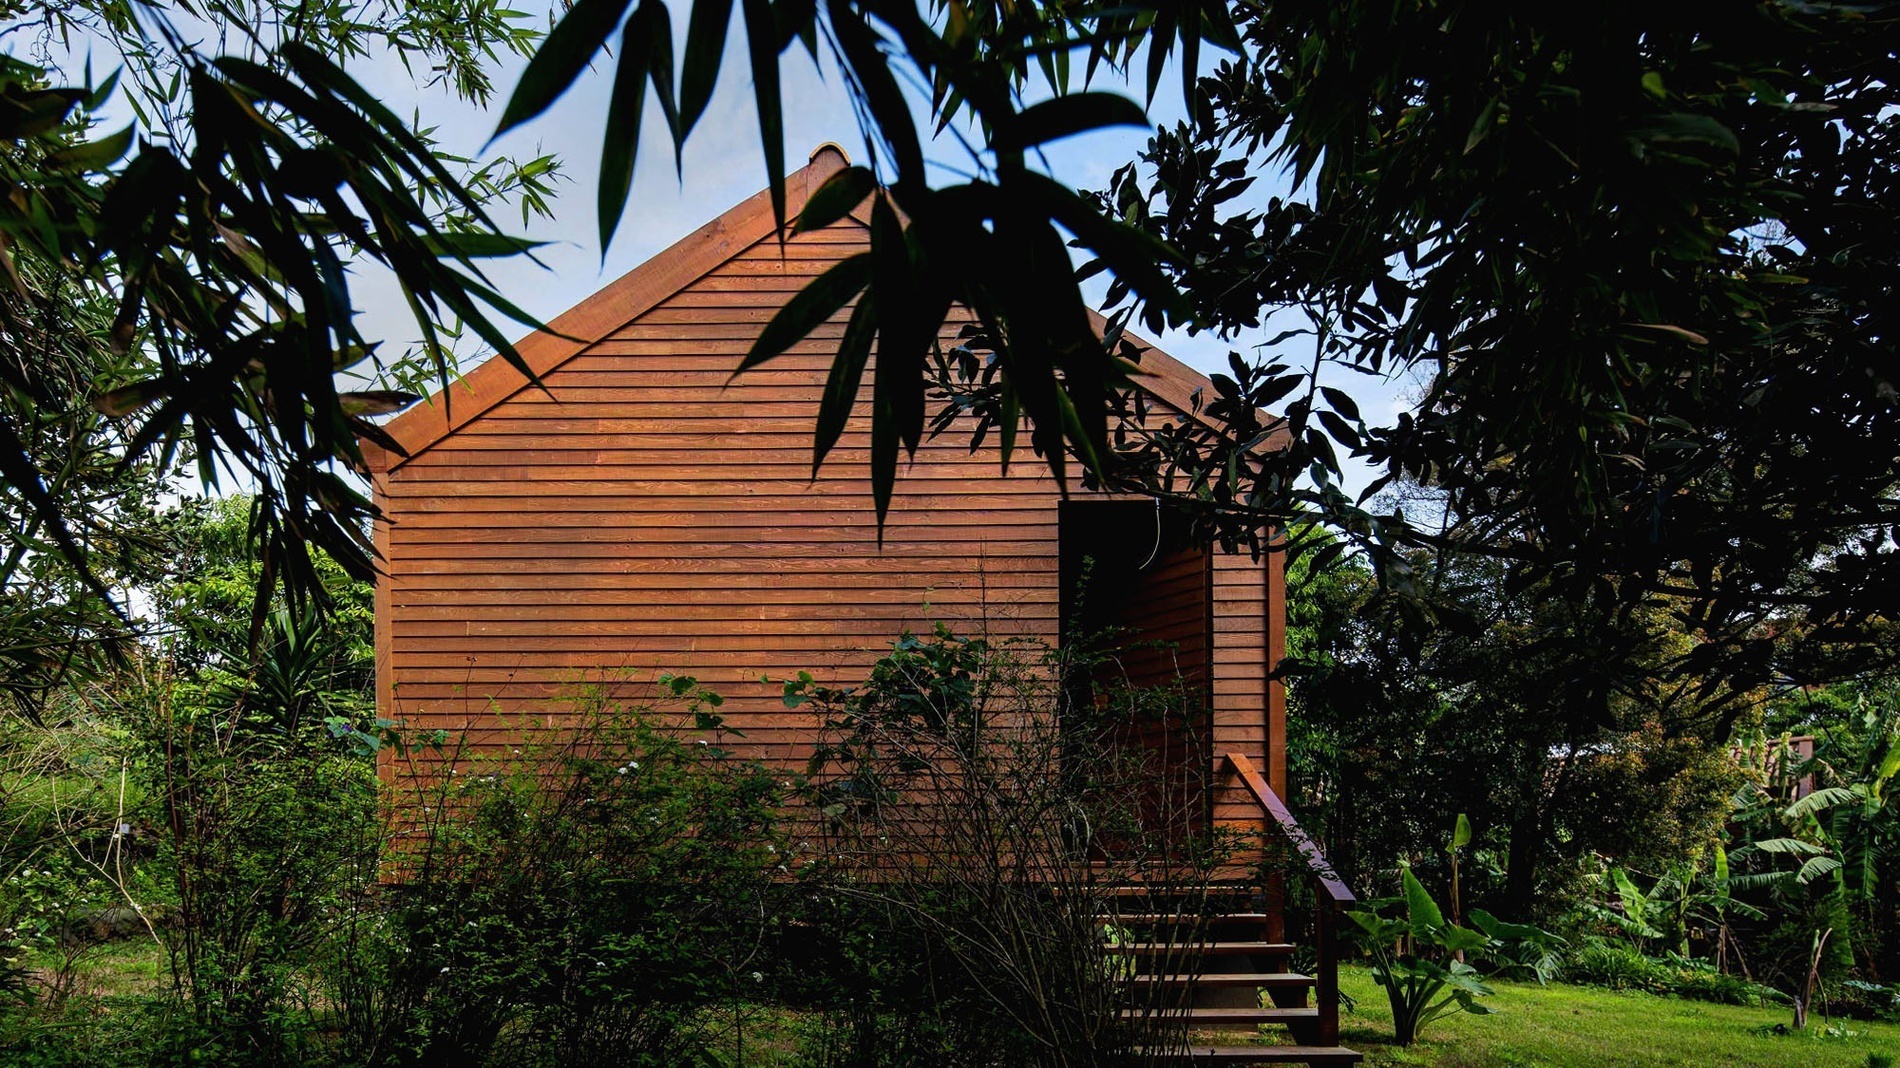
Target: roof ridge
653, 282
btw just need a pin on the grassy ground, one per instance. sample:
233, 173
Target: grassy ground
1550, 1027
1563, 1025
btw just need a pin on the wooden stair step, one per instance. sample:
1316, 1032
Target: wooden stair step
1226, 1017
1272, 980
1263, 1055
1185, 917
1219, 949
1162, 887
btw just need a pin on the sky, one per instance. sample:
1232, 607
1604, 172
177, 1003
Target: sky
722, 165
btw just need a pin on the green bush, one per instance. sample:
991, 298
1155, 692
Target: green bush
1618, 966
977, 803
590, 897
1867, 1001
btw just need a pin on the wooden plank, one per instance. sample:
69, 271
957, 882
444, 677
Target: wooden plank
717, 487
646, 556
782, 604
743, 539
557, 629
788, 459
791, 648
639, 289
829, 574
703, 331
682, 590
556, 687
854, 521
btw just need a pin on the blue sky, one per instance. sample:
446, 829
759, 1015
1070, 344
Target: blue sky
722, 165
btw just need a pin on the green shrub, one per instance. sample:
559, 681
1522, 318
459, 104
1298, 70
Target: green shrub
1616, 966
978, 802
1699, 981
587, 898
1420, 959
1619, 966
1867, 1001
250, 822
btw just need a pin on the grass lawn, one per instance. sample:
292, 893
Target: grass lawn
1563, 1025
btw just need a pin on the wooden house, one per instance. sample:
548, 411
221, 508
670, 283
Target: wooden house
644, 512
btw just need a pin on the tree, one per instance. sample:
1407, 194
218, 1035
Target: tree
213, 238
1637, 253
1819, 838
1644, 258
53, 627
1555, 727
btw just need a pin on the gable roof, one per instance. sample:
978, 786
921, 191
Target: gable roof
634, 293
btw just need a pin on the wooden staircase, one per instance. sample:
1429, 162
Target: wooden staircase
1210, 966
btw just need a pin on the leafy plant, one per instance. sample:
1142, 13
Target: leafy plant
601, 892
979, 822
1619, 966
1415, 958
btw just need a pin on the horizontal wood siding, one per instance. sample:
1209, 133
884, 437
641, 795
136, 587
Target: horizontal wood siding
1245, 720
648, 513
1169, 612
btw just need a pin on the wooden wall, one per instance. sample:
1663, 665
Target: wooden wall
644, 515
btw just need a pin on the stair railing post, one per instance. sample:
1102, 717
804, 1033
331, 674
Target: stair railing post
1330, 894
1326, 983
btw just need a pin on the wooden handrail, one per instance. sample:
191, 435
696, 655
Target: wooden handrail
1324, 878
1330, 895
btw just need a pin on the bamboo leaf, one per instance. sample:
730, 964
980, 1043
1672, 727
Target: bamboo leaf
881, 93
811, 307
93, 155
761, 31
699, 66
621, 145
569, 47
477, 245
1066, 116
844, 380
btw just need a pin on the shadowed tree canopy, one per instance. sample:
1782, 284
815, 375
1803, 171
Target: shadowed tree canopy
1643, 259
175, 291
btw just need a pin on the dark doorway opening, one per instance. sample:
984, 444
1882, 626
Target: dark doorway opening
1137, 605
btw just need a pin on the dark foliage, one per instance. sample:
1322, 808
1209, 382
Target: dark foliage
1643, 259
